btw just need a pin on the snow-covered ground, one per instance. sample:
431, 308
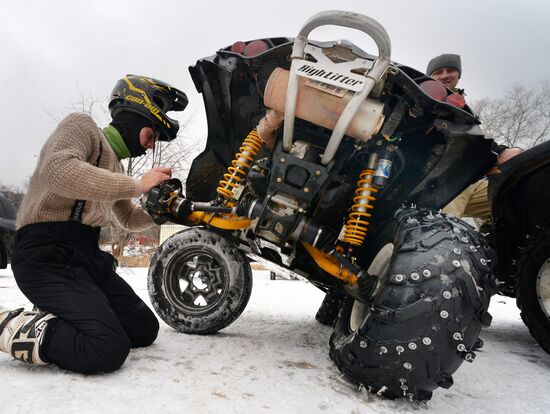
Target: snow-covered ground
273, 359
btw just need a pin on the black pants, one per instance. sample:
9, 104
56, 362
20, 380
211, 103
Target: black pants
61, 270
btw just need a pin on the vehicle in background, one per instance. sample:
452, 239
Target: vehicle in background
7, 229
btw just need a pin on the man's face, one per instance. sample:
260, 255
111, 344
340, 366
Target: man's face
447, 76
148, 137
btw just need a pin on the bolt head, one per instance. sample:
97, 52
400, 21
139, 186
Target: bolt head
383, 350
399, 349
317, 172
407, 365
456, 263
447, 294
426, 341
399, 278
306, 190
412, 346
415, 276
283, 159
457, 251
444, 314
457, 336
426, 273
461, 347
279, 179
363, 344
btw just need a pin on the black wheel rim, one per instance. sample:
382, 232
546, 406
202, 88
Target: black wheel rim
196, 280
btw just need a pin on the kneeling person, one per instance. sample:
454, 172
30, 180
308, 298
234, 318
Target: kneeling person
89, 317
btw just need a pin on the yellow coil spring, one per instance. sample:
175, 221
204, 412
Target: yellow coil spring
240, 165
357, 225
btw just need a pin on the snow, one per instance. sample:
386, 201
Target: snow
273, 359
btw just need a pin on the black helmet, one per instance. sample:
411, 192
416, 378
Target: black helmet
151, 98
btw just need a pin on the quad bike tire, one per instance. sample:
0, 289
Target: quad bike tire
533, 297
427, 314
199, 282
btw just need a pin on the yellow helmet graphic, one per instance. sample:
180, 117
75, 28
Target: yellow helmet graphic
152, 99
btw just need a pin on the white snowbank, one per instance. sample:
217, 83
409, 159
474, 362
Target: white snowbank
273, 359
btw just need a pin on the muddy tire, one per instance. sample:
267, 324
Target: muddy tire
199, 282
534, 289
427, 314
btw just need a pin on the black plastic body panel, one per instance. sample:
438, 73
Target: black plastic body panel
520, 204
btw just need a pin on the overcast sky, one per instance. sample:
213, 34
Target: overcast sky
52, 51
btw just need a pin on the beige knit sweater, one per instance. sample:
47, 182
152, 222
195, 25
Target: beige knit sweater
66, 172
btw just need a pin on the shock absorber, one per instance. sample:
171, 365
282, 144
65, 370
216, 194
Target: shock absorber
240, 166
357, 224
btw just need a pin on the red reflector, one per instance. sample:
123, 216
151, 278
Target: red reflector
434, 89
255, 48
238, 47
457, 100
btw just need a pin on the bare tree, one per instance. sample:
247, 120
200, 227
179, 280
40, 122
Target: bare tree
520, 119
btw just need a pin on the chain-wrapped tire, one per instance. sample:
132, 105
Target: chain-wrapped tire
534, 288
199, 281
427, 314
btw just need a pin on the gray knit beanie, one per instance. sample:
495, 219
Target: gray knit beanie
446, 60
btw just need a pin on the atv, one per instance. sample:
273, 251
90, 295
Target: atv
334, 164
522, 236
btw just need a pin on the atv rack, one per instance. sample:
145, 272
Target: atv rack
342, 74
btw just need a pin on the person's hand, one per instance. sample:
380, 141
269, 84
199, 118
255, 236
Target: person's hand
154, 177
503, 157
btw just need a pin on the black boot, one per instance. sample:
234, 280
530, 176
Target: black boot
328, 311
